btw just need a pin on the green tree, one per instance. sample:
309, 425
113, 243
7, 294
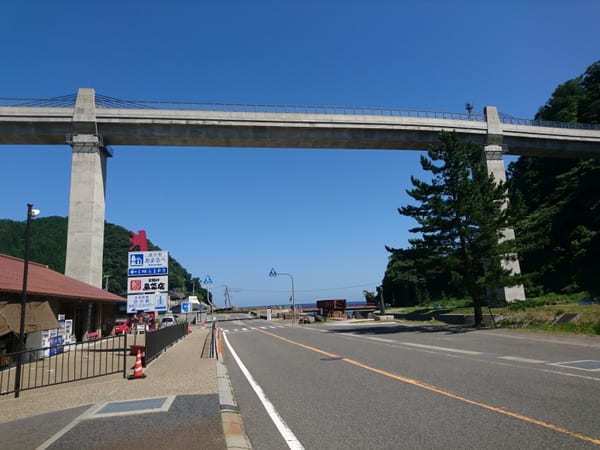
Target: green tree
460, 216
559, 234
370, 297
49, 245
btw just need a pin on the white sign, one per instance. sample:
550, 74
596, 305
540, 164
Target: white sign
268, 313
161, 301
144, 285
147, 302
148, 263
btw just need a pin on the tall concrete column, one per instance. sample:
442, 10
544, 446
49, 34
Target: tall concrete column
494, 161
85, 238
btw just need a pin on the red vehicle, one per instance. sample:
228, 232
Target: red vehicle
122, 326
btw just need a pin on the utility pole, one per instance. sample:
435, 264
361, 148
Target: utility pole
30, 214
227, 297
106, 277
381, 302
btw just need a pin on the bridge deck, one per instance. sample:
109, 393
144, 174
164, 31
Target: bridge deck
170, 127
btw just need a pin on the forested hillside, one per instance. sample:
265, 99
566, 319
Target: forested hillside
557, 201
49, 245
554, 208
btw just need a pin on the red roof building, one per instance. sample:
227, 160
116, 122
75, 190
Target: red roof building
91, 308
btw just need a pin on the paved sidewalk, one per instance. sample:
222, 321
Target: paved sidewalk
179, 374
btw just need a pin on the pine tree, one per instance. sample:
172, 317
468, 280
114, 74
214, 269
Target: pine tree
460, 218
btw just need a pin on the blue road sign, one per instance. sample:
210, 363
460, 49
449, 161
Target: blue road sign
147, 271
272, 273
207, 280
185, 307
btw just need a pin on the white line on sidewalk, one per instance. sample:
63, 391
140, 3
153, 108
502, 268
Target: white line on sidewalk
70, 426
287, 434
244, 329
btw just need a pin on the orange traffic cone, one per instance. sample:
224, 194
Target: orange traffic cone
138, 372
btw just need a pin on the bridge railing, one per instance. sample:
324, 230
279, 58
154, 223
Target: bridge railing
103, 101
65, 101
548, 123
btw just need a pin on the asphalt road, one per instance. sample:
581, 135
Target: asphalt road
388, 386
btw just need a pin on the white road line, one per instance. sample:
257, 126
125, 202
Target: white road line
287, 434
380, 339
443, 349
566, 365
263, 328
271, 327
525, 360
537, 339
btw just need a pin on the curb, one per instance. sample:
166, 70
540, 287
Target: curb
233, 426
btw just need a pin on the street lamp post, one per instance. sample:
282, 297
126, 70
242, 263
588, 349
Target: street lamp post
30, 214
273, 273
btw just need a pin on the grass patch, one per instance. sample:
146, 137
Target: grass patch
536, 313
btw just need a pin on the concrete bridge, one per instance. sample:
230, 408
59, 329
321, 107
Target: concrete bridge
90, 123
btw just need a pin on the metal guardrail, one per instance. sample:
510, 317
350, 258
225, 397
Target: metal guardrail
159, 340
65, 363
104, 101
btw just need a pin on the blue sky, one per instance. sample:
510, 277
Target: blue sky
323, 215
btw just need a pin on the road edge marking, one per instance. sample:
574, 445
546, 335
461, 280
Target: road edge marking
231, 419
445, 393
288, 436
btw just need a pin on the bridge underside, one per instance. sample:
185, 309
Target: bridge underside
256, 136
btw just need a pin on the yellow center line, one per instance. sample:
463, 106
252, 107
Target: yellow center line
440, 391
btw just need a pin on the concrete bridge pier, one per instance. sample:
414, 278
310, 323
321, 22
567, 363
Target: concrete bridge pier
85, 237
494, 161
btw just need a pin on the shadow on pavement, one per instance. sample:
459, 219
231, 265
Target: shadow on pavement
379, 330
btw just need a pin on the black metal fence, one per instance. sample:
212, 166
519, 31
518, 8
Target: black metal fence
65, 363
157, 341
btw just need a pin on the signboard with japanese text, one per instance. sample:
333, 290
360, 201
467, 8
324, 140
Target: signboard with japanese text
148, 263
140, 302
140, 285
147, 302
161, 301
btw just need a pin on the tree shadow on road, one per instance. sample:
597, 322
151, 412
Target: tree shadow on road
393, 329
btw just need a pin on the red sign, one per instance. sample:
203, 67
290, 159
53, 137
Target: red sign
135, 285
138, 240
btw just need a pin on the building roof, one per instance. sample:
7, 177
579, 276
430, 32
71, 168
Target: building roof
45, 282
